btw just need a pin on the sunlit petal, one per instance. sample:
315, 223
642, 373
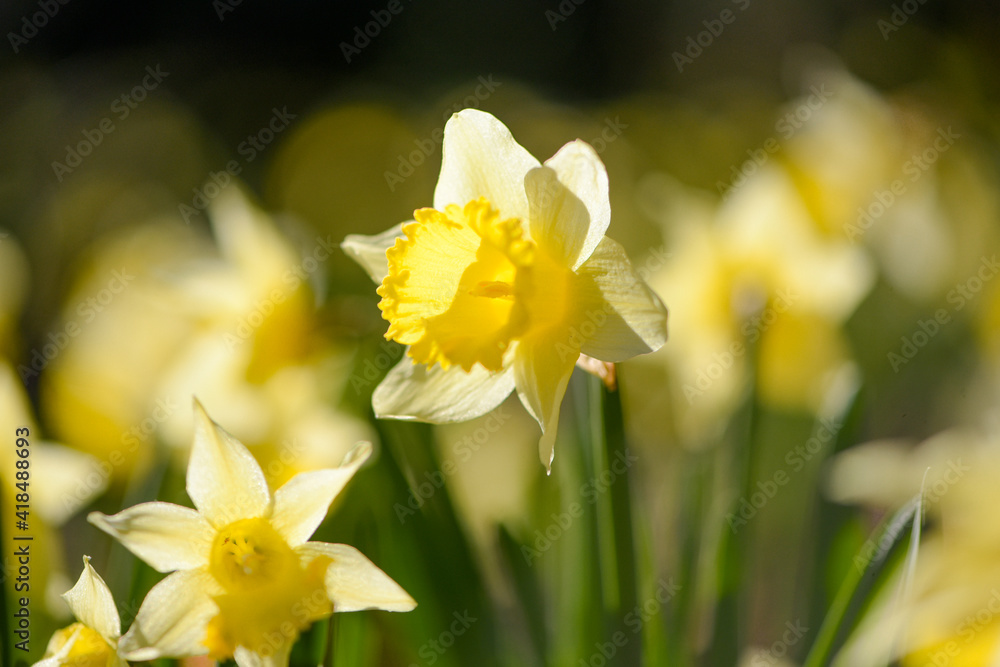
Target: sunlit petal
621, 316
354, 583
418, 392
481, 159
302, 503
223, 479
369, 251
542, 370
173, 617
168, 537
244, 657
568, 196
92, 604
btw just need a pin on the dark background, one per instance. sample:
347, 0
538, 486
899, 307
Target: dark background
601, 49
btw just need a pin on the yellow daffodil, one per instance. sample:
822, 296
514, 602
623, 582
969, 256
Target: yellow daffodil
505, 282
881, 172
950, 615
756, 281
244, 579
234, 320
93, 640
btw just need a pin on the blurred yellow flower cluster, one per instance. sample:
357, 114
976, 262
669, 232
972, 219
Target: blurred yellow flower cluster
758, 281
828, 264
852, 192
951, 614
34, 473
161, 314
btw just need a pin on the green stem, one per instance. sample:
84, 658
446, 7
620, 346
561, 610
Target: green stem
607, 551
331, 632
612, 468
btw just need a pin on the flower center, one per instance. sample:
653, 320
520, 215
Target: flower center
270, 595
464, 283
89, 649
249, 554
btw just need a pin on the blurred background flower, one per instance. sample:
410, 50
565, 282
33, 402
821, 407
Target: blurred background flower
174, 317
811, 189
952, 614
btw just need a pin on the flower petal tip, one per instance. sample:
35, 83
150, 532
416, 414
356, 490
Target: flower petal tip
99, 519
360, 453
199, 410
547, 452
142, 654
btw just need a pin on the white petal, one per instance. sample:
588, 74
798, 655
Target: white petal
414, 391
167, 536
91, 602
570, 209
173, 618
301, 504
59, 655
54, 661
244, 657
369, 251
622, 317
353, 582
481, 159
542, 371
223, 478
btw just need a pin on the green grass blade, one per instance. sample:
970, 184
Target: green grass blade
527, 591
872, 568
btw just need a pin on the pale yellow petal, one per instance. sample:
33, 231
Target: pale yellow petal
92, 604
369, 251
430, 394
542, 370
173, 618
301, 504
223, 478
481, 159
353, 582
620, 316
249, 241
57, 654
167, 536
244, 657
767, 225
570, 209
54, 661
15, 412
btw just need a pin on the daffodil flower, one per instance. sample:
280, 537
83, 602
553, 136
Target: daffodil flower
244, 579
93, 640
505, 282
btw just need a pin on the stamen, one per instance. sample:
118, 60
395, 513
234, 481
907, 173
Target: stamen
495, 289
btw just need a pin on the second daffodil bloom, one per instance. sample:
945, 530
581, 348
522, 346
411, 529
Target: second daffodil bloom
93, 640
244, 579
505, 282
